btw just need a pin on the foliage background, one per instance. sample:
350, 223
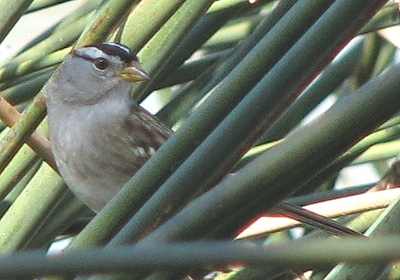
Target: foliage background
236, 81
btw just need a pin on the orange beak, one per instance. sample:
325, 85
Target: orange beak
133, 73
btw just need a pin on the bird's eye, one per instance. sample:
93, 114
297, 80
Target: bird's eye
100, 63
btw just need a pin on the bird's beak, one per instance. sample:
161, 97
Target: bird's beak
133, 73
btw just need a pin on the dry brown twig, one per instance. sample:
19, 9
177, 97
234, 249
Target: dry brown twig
39, 143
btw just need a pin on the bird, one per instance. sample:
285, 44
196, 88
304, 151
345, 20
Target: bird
100, 137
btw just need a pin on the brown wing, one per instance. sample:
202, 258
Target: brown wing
147, 126
145, 133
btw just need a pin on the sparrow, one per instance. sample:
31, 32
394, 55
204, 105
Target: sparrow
100, 137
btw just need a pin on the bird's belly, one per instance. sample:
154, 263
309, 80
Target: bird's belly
95, 177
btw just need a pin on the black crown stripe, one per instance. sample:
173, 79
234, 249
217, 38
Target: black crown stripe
126, 54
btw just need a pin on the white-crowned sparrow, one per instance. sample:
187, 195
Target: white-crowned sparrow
99, 136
